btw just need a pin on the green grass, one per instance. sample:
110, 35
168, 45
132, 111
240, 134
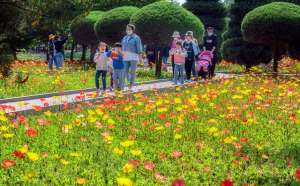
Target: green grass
244, 129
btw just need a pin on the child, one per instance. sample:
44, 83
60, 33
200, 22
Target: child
101, 59
179, 60
118, 67
204, 62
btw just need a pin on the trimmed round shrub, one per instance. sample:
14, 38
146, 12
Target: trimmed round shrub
272, 24
82, 28
112, 25
155, 23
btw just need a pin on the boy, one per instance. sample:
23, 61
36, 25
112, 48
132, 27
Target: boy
118, 67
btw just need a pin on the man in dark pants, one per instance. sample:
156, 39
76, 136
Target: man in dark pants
210, 44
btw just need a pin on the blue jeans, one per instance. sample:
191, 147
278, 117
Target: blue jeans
130, 71
165, 60
103, 75
59, 59
52, 60
119, 79
178, 71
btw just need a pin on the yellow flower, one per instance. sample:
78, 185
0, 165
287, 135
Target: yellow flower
179, 109
75, 154
81, 181
8, 135
258, 147
99, 112
64, 162
33, 156
24, 149
29, 175
128, 168
136, 152
3, 118
48, 113
213, 131
111, 121
230, 139
122, 181
212, 121
177, 100
127, 143
178, 136
163, 109
237, 97
3, 128
159, 128
117, 151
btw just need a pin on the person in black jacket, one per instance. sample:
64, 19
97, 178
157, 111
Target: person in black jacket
50, 52
210, 44
59, 50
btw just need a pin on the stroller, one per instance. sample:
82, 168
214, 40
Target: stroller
204, 63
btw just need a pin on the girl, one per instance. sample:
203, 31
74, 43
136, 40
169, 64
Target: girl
179, 55
101, 59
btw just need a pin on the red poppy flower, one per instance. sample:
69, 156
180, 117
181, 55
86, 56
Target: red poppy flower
168, 124
243, 140
8, 163
18, 154
162, 116
149, 165
37, 108
31, 132
22, 119
178, 182
297, 173
227, 182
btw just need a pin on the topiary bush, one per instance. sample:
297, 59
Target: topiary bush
111, 27
6, 60
156, 22
234, 48
275, 24
82, 28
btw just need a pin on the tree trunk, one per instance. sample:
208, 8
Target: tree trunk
83, 56
158, 60
93, 51
276, 58
72, 50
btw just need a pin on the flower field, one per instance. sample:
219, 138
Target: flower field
241, 131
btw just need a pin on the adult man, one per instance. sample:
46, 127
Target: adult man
210, 44
50, 52
59, 50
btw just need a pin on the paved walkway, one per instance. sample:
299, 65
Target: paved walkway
44, 102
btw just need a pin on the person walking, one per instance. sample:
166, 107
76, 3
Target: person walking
192, 50
133, 50
59, 50
210, 44
50, 53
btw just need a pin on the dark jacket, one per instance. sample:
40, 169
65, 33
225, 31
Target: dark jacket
210, 41
59, 45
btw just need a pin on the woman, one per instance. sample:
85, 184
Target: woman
133, 52
192, 49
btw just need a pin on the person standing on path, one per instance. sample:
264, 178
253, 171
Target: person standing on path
118, 67
179, 59
50, 52
210, 44
133, 50
59, 50
101, 59
192, 50
176, 37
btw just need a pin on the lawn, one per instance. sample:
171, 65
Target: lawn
243, 130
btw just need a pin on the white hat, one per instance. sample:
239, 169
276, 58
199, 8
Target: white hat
176, 34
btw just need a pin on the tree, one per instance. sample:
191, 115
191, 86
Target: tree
105, 5
156, 22
83, 33
211, 13
235, 48
111, 27
275, 24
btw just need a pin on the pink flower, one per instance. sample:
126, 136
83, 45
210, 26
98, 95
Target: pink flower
159, 177
176, 154
8, 163
149, 165
135, 163
178, 182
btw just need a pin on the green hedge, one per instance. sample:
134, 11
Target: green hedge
156, 22
273, 23
82, 28
112, 25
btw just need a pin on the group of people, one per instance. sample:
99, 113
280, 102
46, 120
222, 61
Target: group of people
56, 51
190, 59
121, 61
